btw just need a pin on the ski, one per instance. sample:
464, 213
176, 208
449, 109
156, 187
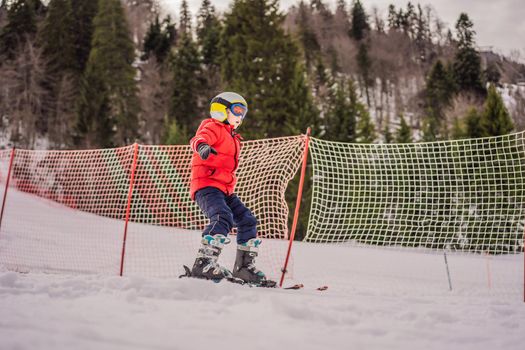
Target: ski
295, 286
301, 286
264, 284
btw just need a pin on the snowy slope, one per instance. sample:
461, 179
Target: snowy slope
377, 298
100, 312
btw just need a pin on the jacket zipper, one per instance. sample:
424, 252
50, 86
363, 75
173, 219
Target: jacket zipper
235, 155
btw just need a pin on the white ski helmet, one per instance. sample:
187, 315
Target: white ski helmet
228, 100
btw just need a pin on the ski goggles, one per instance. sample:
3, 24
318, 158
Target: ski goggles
238, 110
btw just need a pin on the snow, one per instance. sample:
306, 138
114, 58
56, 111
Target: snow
377, 298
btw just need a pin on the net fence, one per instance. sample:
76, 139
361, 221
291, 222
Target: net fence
464, 195
66, 210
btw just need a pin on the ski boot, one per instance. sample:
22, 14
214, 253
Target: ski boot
206, 265
244, 267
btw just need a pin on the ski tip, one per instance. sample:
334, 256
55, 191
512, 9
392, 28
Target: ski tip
295, 286
187, 272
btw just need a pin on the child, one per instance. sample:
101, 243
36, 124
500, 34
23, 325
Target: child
213, 166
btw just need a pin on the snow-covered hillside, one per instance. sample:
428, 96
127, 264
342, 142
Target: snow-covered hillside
376, 298
358, 311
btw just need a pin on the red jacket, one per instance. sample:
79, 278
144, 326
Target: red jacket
218, 170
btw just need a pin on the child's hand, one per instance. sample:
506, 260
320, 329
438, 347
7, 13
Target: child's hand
204, 151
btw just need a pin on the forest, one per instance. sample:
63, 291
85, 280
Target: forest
85, 74
82, 74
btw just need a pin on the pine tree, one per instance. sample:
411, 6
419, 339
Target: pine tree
305, 113
473, 126
495, 118
185, 67
458, 130
365, 127
408, 23
21, 25
422, 33
393, 22
343, 110
388, 137
360, 26
83, 11
158, 39
208, 33
62, 69
439, 86
359, 31
438, 93
467, 62
364, 63
186, 70
261, 62
108, 105
185, 19
432, 125
56, 37
404, 133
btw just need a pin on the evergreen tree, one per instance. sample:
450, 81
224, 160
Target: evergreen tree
56, 37
387, 134
208, 33
306, 114
438, 93
158, 39
365, 127
360, 25
62, 70
260, 61
432, 126
185, 66
408, 22
108, 104
307, 38
343, 110
393, 22
185, 19
495, 118
364, 63
439, 86
422, 33
404, 133
458, 131
467, 62
358, 31
21, 25
83, 12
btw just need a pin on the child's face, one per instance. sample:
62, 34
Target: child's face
233, 119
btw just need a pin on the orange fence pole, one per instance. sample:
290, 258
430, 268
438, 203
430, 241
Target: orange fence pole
297, 205
130, 195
